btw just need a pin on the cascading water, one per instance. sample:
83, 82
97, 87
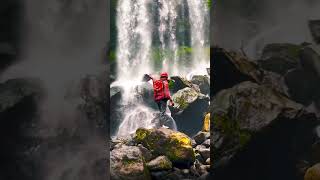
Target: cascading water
135, 41
200, 41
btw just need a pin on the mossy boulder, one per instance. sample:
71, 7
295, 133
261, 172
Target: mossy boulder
184, 97
313, 173
189, 110
160, 163
173, 144
128, 162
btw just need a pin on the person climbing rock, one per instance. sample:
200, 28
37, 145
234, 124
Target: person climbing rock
161, 95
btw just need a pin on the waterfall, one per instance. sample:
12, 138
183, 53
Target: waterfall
200, 40
137, 22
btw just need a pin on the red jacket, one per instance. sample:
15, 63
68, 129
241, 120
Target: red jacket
161, 90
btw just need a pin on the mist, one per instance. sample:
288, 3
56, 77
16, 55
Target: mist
62, 42
253, 24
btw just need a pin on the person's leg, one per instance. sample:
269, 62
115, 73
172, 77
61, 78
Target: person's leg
163, 108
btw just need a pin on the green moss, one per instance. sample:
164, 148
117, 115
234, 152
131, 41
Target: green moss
231, 129
181, 102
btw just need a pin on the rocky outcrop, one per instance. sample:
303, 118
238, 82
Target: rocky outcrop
175, 145
128, 162
163, 153
247, 119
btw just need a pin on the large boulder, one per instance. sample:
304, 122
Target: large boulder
19, 114
128, 162
314, 26
280, 58
189, 110
231, 68
258, 125
203, 82
173, 144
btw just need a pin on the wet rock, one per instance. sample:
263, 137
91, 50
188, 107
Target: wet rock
203, 169
199, 158
175, 145
310, 59
208, 161
159, 175
280, 58
194, 143
180, 83
302, 85
205, 152
313, 173
314, 26
203, 82
200, 137
127, 162
160, 163
189, 109
206, 143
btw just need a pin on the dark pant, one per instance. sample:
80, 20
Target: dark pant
162, 105
163, 118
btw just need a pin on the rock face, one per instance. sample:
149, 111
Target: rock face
231, 68
128, 162
189, 110
248, 122
175, 145
314, 26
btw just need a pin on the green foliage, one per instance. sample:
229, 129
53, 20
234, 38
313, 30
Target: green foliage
209, 2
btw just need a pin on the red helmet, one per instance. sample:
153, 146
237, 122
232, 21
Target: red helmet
164, 74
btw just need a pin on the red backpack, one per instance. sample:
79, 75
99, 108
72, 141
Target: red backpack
161, 90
